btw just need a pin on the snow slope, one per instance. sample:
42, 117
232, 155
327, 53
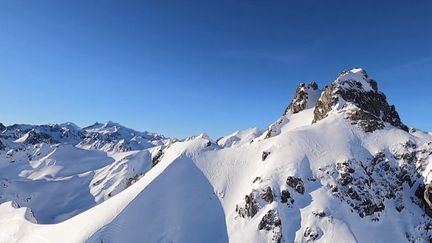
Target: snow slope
339, 178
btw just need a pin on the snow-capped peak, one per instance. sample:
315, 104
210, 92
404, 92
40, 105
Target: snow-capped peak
355, 94
356, 78
70, 125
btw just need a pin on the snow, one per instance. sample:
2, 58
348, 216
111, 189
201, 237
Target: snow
356, 74
90, 192
191, 195
239, 138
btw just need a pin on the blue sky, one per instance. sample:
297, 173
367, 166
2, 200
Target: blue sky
185, 67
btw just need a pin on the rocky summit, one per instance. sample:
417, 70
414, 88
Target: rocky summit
354, 93
339, 165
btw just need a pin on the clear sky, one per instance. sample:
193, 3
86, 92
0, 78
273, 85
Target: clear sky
184, 67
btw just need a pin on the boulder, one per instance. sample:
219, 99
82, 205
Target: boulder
264, 155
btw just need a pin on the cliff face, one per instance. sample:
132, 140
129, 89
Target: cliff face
358, 96
305, 97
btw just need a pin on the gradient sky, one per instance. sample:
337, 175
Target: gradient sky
184, 67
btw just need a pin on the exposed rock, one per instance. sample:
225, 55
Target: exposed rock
324, 104
366, 185
158, 157
359, 97
345, 171
123, 146
258, 178
39, 137
319, 214
267, 195
133, 179
371, 208
275, 128
269, 220
272, 222
424, 192
250, 208
296, 183
305, 97
2, 127
311, 234
2, 146
286, 196
264, 155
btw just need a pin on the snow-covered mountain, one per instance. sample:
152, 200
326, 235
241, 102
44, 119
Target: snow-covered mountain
339, 165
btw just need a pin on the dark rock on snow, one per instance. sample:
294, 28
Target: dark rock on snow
371, 109
303, 97
267, 195
265, 155
272, 222
296, 183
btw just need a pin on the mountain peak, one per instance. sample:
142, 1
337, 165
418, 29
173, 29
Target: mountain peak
101, 126
356, 78
357, 95
111, 124
305, 97
70, 125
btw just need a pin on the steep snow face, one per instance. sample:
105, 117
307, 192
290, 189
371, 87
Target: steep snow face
322, 182
187, 210
341, 178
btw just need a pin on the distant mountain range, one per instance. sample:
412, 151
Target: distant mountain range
339, 165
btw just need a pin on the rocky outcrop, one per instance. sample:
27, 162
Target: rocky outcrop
267, 195
271, 222
250, 208
286, 197
34, 137
158, 157
296, 183
2, 146
424, 193
312, 234
427, 196
357, 95
305, 97
366, 185
2, 127
264, 155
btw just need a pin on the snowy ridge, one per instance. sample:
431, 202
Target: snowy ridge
337, 166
